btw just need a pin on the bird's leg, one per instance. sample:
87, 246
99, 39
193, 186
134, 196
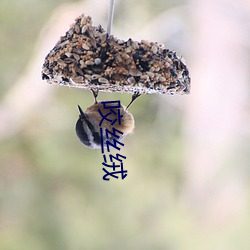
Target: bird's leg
95, 94
134, 97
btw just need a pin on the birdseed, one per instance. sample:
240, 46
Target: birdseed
88, 57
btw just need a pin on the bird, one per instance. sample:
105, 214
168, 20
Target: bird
88, 124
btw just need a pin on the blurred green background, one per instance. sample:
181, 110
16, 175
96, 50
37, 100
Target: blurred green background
188, 159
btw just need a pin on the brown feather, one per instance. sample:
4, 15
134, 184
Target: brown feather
127, 121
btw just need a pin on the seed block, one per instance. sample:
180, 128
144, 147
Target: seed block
87, 57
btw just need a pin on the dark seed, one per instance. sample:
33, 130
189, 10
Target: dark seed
45, 77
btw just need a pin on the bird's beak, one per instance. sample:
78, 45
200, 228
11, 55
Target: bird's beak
82, 115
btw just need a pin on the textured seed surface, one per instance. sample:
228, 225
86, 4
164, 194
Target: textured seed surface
87, 57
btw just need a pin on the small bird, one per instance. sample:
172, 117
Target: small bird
88, 124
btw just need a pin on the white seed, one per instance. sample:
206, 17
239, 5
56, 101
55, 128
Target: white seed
134, 45
85, 46
144, 78
98, 61
119, 58
120, 42
162, 79
103, 80
64, 43
131, 80
150, 74
77, 29
147, 43
126, 56
68, 54
93, 42
88, 77
154, 49
91, 33
83, 21
78, 70
88, 62
103, 37
61, 62
162, 46
128, 50
84, 29
134, 72
95, 76
77, 57
77, 79
71, 32
81, 62
69, 60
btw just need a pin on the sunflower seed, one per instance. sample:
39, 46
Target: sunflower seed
131, 80
84, 29
154, 49
78, 70
69, 60
77, 57
134, 72
103, 80
145, 42
144, 78
150, 74
95, 76
77, 29
61, 62
77, 79
88, 62
85, 46
68, 54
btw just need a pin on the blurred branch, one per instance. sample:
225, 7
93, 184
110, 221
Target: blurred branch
216, 110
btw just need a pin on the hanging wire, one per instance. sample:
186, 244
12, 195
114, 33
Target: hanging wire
110, 15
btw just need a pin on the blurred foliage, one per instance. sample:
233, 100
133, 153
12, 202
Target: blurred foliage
20, 23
